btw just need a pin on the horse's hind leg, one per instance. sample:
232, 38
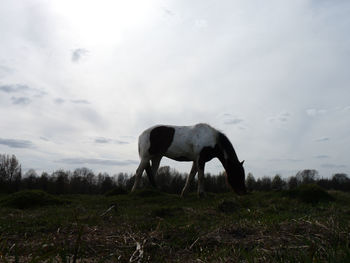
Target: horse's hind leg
152, 171
150, 175
142, 166
201, 182
189, 179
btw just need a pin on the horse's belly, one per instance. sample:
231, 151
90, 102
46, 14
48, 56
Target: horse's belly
179, 157
180, 152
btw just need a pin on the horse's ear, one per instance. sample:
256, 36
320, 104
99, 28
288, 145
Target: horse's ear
242, 162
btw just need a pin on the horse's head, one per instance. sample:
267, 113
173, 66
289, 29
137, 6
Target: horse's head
236, 178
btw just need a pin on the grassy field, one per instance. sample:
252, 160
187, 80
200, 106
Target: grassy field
150, 226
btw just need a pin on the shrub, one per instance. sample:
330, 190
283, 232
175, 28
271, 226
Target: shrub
116, 191
147, 193
31, 198
310, 193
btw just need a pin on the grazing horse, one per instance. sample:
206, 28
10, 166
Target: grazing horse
199, 143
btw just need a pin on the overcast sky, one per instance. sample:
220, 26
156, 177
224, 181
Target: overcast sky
80, 80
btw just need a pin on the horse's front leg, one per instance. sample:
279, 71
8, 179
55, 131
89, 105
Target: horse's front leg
189, 179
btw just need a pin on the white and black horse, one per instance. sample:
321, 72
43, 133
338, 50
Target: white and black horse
199, 143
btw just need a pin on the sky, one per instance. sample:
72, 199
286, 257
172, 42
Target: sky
80, 80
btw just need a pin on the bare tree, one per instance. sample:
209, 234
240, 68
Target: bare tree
340, 178
307, 176
10, 172
293, 183
250, 182
9, 167
277, 183
30, 179
264, 184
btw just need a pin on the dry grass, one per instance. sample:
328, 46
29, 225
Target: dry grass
262, 227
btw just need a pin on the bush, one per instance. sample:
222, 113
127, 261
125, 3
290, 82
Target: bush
31, 198
147, 193
310, 193
116, 191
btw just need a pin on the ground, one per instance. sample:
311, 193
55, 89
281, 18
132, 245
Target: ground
150, 226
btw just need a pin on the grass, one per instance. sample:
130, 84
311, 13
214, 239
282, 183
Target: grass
310, 193
31, 198
150, 226
116, 191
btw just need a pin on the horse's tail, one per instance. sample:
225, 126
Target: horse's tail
150, 175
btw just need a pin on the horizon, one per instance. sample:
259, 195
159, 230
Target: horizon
38, 173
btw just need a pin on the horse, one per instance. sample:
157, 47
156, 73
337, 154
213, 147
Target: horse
198, 143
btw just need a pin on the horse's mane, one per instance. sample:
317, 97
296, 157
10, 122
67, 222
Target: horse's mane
226, 145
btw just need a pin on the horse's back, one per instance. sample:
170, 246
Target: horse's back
155, 138
176, 142
203, 135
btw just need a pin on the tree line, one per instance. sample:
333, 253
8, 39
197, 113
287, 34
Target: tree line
85, 181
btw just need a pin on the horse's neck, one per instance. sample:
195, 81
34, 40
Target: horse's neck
228, 157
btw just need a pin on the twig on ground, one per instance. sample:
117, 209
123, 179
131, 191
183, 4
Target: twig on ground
109, 209
191, 246
138, 253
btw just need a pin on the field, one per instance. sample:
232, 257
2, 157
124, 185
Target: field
150, 226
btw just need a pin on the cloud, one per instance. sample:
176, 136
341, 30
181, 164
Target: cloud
5, 70
78, 54
13, 143
230, 119
282, 117
200, 23
39, 93
93, 161
21, 100
323, 139
120, 142
315, 112
128, 137
21, 88
90, 115
168, 12
321, 156
291, 160
331, 165
233, 121
103, 140
80, 102
13, 88
59, 101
